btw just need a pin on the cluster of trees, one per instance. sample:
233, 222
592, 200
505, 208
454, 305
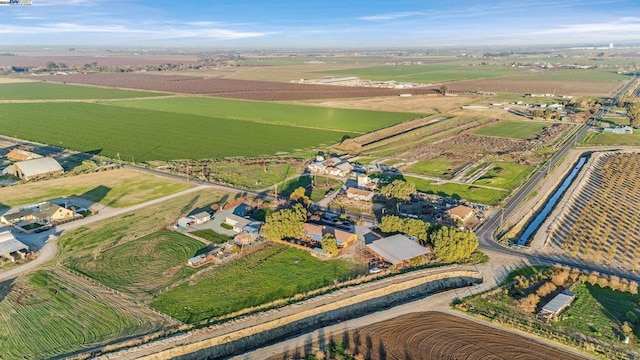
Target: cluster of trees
299, 195
449, 243
633, 113
330, 245
285, 223
399, 189
412, 227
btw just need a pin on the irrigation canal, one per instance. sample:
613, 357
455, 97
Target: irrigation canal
551, 203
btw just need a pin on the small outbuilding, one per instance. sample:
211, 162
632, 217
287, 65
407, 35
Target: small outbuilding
185, 222
460, 213
201, 217
22, 155
398, 250
359, 194
10, 245
238, 223
557, 305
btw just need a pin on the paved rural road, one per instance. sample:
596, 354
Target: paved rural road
50, 248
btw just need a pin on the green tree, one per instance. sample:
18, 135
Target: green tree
412, 227
547, 114
329, 244
633, 113
444, 89
451, 244
537, 113
298, 195
285, 223
399, 189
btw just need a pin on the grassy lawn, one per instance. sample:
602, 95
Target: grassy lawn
512, 129
289, 186
276, 272
599, 312
212, 236
46, 91
100, 236
141, 267
348, 120
116, 188
142, 134
459, 191
438, 167
47, 316
423, 73
612, 139
322, 185
505, 175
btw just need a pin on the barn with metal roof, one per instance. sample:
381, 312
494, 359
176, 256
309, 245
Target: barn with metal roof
9, 244
398, 250
36, 168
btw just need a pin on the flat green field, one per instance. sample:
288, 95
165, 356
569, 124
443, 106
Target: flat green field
575, 75
438, 167
115, 188
347, 120
277, 272
143, 135
598, 312
46, 91
512, 129
505, 175
212, 236
612, 139
47, 316
424, 73
141, 267
459, 191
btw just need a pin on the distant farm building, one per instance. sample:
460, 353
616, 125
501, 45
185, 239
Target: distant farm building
399, 250
556, 306
460, 213
238, 223
366, 183
359, 194
9, 245
35, 169
618, 130
333, 166
316, 232
22, 155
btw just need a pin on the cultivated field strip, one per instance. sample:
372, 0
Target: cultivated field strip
601, 222
69, 313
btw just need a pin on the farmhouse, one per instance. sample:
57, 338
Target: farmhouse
316, 232
398, 250
34, 169
10, 245
460, 213
366, 183
358, 194
22, 155
333, 166
238, 223
556, 306
45, 212
201, 217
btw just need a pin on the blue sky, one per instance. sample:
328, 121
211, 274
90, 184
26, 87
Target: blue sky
315, 24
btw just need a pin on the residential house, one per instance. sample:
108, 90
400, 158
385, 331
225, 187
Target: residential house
45, 212
238, 223
201, 217
360, 195
460, 213
333, 166
316, 232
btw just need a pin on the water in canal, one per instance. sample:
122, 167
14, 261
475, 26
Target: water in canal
553, 200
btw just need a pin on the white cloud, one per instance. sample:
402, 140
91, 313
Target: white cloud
626, 24
392, 16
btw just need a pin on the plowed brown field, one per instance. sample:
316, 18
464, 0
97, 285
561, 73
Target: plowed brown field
433, 335
228, 88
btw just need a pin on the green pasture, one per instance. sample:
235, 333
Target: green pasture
212, 236
277, 272
505, 175
459, 191
437, 167
424, 73
611, 139
48, 317
47, 91
346, 120
254, 176
141, 267
140, 135
599, 312
575, 75
512, 129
